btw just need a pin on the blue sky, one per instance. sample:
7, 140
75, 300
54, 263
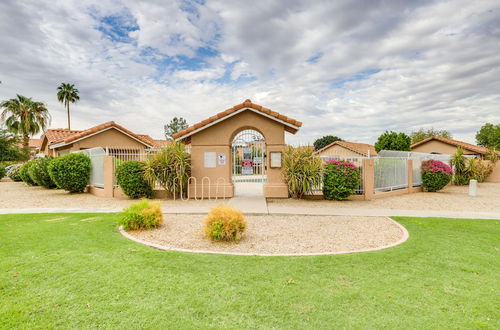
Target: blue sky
348, 68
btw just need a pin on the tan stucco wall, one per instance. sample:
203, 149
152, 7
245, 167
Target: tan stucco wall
337, 150
434, 146
218, 138
495, 175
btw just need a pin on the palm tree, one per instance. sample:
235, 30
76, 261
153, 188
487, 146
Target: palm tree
66, 94
24, 116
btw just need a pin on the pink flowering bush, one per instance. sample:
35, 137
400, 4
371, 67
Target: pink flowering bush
435, 175
340, 179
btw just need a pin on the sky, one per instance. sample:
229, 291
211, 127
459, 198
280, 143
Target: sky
347, 68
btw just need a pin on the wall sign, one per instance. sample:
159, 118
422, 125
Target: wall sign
222, 159
210, 159
275, 159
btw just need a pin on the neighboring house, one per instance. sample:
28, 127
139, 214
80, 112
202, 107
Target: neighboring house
111, 136
440, 145
345, 149
34, 146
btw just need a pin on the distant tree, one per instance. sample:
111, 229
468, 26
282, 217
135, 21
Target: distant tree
66, 94
324, 141
489, 136
423, 134
25, 117
393, 141
176, 124
10, 147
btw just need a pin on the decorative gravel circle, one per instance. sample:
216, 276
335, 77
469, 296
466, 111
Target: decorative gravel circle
278, 235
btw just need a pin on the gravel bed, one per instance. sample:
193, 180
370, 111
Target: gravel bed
280, 234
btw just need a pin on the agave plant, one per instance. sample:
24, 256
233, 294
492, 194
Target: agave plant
171, 168
302, 170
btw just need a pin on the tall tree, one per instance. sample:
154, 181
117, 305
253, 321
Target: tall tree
66, 94
324, 141
489, 136
423, 134
393, 141
25, 117
176, 124
9, 147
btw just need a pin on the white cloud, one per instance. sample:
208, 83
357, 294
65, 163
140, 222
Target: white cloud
376, 65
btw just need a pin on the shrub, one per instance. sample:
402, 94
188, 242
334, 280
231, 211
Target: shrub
480, 169
2, 172
39, 172
461, 175
224, 223
14, 173
435, 175
340, 180
130, 177
70, 172
171, 167
142, 215
302, 170
23, 172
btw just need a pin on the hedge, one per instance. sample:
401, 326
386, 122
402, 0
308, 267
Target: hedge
39, 173
70, 172
130, 177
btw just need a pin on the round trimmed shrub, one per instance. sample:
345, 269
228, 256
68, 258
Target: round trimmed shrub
340, 179
2, 172
435, 175
142, 215
39, 173
24, 173
224, 223
130, 177
14, 173
70, 172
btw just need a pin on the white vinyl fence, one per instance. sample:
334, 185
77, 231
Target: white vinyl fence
390, 174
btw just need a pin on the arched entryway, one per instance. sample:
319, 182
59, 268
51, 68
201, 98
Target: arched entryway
248, 162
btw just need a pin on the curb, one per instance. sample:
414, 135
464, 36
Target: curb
404, 238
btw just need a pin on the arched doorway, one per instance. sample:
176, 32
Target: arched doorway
248, 160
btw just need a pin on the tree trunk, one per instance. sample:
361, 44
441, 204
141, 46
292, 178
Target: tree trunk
26, 141
69, 120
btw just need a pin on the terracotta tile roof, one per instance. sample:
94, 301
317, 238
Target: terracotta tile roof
154, 142
465, 145
35, 143
246, 104
101, 127
360, 148
55, 135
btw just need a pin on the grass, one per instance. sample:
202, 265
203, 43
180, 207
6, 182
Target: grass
76, 271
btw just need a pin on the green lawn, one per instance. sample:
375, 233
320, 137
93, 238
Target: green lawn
75, 270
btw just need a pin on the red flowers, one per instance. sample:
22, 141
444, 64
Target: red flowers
435, 166
342, 163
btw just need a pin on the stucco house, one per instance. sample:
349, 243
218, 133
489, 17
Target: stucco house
109, 135
444, 146
347, 149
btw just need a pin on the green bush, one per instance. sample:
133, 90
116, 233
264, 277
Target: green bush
435, 175
302, 170
224, 223
24, 173
39, 172
340, 180
2, 172
70, 172
130, 177
14, 173
461, 173
142, 215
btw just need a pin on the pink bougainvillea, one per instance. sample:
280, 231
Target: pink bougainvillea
342, 163
435, 166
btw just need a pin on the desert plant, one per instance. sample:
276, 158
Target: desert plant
224, 223
14, 173
460, 172
39, 172
70, 172
435, 175
2, 172
130, 177
340, 180
171, 167
24, 173
302, 170
492, 155
142, 215
480, 169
